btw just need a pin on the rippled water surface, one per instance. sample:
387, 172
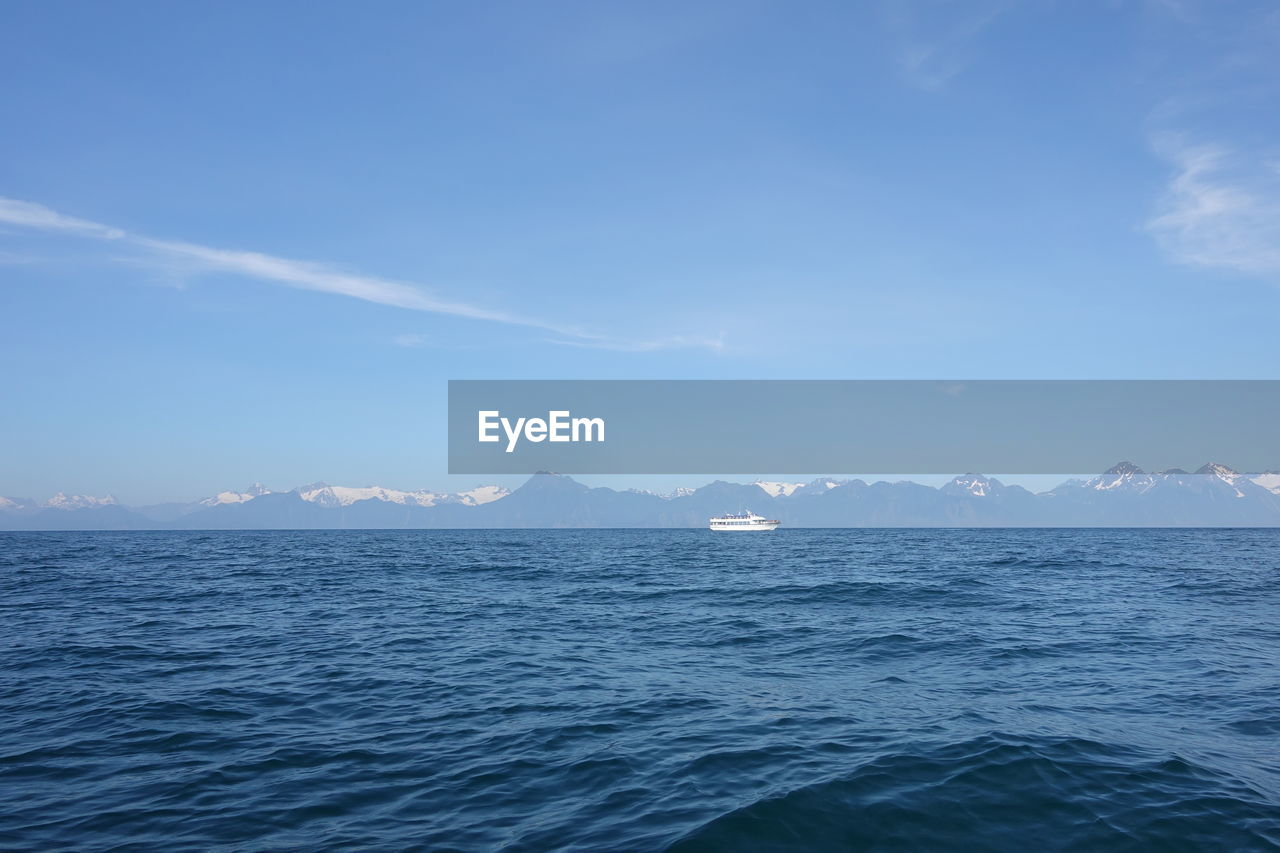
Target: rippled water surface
640, 690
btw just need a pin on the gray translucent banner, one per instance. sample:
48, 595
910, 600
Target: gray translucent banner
859, 426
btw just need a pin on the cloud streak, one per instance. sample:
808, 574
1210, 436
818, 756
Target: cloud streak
716, 343
935, 41
31, 215
310, 275
1220, 210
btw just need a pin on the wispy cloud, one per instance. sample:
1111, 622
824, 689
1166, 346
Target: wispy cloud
409, 341
310, 275
934, 40
1221, 208
715, 343
14, 258
31, 215
307, 275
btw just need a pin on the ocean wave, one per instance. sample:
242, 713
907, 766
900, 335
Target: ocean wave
1003, 792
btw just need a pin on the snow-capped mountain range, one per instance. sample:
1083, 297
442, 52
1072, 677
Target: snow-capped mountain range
64, 501
333, 496
320, 494
1123, 495
256, 490
1130, 478
1126, 475
323, 494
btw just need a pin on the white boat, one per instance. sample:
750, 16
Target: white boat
743, 521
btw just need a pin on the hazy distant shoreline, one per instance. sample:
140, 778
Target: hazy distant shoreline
1123, 496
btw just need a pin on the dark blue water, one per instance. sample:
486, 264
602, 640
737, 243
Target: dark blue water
640, 690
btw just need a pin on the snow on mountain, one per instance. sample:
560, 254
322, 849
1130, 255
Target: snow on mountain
256, 490
64, 501
1129, 478
973, 484
820, 486
678, 492
1223, 473
1269, 480
325, 495
479, 495
775, 490
334, 496
1124, 475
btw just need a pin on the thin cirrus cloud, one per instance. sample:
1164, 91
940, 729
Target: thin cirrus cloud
1220, 210
676, 342
309, 275
936, 43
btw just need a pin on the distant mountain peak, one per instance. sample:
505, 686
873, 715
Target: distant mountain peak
322, 494
821, 486
257, 490
479, 495
1217, 469
677, 492
1124, 476
551, 480
776, 489
976, 485
65, 501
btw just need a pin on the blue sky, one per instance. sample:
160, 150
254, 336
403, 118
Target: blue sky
250, 242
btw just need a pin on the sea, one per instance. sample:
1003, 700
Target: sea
640, 690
